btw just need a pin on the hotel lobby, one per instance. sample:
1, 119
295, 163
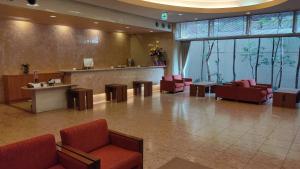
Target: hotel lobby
149, 84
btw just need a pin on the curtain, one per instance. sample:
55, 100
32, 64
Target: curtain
184, 50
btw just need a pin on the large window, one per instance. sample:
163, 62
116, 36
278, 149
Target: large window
265, 24
192, 30
278, 23
228, 27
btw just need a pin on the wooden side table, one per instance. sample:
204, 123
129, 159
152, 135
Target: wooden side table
83, 98
286, 98
116, 92
199, 89
137, 88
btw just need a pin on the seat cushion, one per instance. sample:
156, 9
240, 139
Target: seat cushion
178, 85
86, 137
57, 167
36, 153
113, 157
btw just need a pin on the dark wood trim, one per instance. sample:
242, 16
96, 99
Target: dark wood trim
91, 164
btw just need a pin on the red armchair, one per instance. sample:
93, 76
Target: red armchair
94, 141
243, 91
186, 81
41, 153
170, 85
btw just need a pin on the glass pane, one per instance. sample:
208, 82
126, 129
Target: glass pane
228, 27
193, 30
298, 22
272, 23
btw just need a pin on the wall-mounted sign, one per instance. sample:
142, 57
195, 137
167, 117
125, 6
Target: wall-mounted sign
164, 16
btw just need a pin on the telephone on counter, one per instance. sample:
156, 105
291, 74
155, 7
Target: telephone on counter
52, 82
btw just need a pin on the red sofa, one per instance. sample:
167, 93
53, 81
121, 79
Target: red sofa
41, 153
186, 81
244, 90
94, 141
168, 84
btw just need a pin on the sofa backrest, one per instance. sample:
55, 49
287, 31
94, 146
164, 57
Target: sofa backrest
36, 153
242, 83
177, 77
168, 78
86, 137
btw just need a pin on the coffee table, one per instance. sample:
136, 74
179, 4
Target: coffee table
137, 87
288, 98
178, 163
198, 89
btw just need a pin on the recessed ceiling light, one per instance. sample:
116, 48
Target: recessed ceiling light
195, 19
96, 22
127, 27
52, 16
248, 13
151, 31
180, 14
77, 12
33, 5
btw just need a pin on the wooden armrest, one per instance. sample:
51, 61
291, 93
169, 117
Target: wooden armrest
78, 152
72, 160
126, 141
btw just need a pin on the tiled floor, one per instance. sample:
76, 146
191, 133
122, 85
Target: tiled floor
218, 134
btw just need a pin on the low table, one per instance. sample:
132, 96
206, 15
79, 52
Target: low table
116, 92
178, 163
198, 89
137, 88
286, 97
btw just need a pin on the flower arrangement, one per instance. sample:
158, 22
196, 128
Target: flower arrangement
158, 54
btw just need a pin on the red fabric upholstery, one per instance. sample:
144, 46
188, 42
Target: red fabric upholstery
115, 151
177, 77
35, 153
186, 81
86, 137
57, 167
170, 85
167, 78
113, 157
252, 82
242, 91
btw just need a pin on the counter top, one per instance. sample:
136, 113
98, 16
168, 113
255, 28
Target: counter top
109, 69
48, 87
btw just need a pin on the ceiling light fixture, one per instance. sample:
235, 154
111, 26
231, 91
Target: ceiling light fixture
32, 3
76, 12
96, 22
180, 14
127, 27
206, 6
52, 16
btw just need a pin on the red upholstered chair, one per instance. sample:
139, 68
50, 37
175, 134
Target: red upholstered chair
186, 81
94, 140
41, 153
170, 85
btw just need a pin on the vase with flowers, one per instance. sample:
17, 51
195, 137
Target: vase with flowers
158, 54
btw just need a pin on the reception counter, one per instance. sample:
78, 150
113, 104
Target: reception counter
97, 78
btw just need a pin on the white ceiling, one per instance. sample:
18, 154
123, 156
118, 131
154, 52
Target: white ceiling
174, 17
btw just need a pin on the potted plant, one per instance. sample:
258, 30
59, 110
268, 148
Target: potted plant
158, 54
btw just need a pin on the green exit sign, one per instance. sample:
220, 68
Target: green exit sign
164, 16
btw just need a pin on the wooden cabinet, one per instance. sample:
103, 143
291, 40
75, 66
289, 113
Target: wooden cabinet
13, 84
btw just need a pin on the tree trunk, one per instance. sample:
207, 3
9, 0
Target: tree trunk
202, 64
218, 62
234, 57
210, 48
281, 63
297, 71
274, 56
272, 61
257, 59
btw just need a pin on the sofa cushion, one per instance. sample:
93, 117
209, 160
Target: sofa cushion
168, 78
177, 77
242, 83
35, 153
86, 137
252, 82
113, 157
57, 167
